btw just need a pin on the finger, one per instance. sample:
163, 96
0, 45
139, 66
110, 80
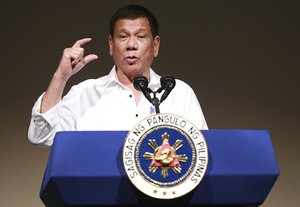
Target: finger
78, 55
85, 61
81, 42
89, 58
74, 54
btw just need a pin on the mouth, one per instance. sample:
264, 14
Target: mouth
131, 59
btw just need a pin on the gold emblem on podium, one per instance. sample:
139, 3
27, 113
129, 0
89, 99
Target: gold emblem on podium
165, 156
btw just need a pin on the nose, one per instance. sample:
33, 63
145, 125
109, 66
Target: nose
132, 44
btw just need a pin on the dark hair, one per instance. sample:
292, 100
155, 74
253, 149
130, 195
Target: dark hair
133, 12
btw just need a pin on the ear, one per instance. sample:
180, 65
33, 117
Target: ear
156, 43
111, 44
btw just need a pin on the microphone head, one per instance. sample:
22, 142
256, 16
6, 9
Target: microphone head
167, 82
140, 82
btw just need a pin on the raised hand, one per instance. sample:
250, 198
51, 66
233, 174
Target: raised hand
73, 59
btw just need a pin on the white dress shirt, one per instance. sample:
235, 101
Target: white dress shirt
106, 104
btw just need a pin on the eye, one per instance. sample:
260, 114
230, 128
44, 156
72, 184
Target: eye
122, 36
141, 36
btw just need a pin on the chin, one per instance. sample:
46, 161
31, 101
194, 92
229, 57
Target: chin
135, 69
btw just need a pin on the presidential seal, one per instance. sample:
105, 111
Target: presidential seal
165, 156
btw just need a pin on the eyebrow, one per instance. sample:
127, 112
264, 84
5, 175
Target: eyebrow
123, 29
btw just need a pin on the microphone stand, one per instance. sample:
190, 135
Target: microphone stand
141, 84
156, 102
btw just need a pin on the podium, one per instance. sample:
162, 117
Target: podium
85, 169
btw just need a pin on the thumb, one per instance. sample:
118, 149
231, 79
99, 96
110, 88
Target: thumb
85, 60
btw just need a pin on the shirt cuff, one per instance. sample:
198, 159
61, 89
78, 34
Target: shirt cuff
50, 117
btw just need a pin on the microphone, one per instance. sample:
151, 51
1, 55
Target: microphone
140, 83
167, 83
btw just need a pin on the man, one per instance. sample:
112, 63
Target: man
110, 102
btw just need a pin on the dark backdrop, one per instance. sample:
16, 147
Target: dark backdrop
241, 58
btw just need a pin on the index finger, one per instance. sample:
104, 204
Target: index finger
81, 42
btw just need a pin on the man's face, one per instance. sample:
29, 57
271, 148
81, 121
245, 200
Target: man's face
133, 47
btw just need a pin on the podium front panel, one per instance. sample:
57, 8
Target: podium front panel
85, 168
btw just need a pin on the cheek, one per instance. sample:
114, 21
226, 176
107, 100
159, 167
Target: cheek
115, 48
148, 50
115, 52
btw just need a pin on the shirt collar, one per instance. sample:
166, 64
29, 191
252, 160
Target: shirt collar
154, 82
